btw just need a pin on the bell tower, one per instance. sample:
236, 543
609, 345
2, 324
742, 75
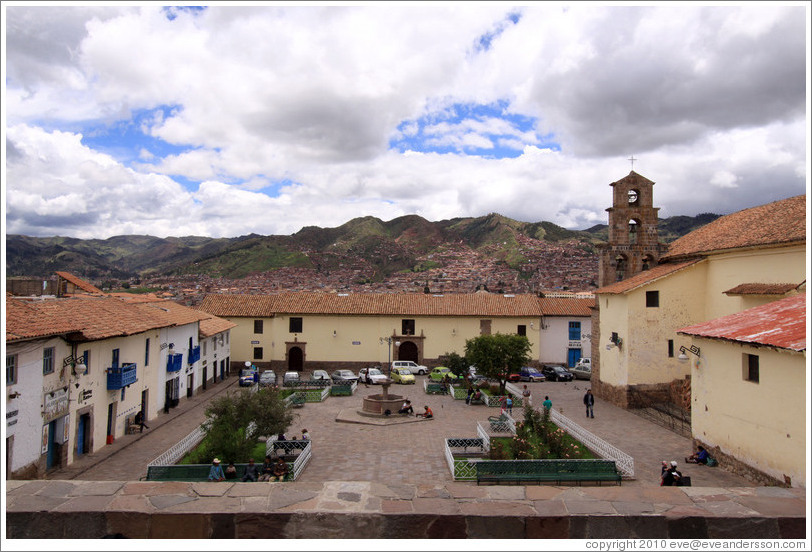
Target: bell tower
633, 242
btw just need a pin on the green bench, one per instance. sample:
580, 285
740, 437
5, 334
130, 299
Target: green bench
197, 472
298, 399
435, 388
341, 390
547, 471
499, 423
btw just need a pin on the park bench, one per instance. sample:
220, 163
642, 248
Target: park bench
499, 423
435, 388
339, 390
547, 471
297, 399
196, 472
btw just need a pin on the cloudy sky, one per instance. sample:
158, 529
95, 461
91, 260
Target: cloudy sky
223, 121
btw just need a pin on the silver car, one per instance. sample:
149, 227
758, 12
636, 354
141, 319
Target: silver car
266, 378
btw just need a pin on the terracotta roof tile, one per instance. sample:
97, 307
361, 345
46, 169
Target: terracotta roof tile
562, 306
411, 304
214, 325
780, 324
25, 321
645, 277
778, 223
761, 289
78, 282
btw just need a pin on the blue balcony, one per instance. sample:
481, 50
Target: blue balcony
121, 376
174, 362
194, 355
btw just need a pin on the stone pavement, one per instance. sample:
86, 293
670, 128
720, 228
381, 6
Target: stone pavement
405, 452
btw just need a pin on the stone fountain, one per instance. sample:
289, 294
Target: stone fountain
378, 404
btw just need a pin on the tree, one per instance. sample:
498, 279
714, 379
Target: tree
456, 363
495, 356
235, 422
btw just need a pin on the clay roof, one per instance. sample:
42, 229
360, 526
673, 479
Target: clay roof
761, 289
24, 321
92, 318
562, 306
78, 282
778, 223
401, 304
214, 325
645, 277
781, 323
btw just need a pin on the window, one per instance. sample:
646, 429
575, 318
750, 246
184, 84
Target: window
670, 348
115, 358
146, 353
575, 331
214, 343
652, 298
11, 369
123, 392
407, 327
521, 330
86, 360
48, 360
191, 345
204, 347
295, 325
484, 327
257, 326
257, 353
750, 367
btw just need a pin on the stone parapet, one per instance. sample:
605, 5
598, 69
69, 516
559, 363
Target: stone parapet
370, 510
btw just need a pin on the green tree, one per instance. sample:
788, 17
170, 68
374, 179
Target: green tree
235, 422
497, 355
456, 363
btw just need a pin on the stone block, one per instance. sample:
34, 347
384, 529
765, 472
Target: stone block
179, 526
548, 527
495, 527
742, 528
687, 528
133, 525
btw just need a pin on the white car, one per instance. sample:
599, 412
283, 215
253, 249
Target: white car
290, 377
320, 375
371, 375
267, 378
411, 366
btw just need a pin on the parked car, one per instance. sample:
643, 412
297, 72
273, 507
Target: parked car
320, 375
290, 377
343, 376
514, 377
371, 375
266, 378
413, 367
584, 361
402, 375
583, 372
438, 373
528, 373
554, 372
246, 377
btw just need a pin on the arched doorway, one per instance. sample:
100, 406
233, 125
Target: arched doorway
295, 359
408, 351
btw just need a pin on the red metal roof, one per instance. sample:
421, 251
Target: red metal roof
780, 324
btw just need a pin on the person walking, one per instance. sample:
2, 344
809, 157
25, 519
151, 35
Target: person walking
528, 400
139, 420
547, 404
589, 401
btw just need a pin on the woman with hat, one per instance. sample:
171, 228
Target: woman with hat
216, 471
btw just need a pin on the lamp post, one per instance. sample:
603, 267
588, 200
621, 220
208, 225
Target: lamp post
389, 341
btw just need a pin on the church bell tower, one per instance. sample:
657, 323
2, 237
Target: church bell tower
633, 242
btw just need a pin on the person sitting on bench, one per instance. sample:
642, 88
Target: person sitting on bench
406, 408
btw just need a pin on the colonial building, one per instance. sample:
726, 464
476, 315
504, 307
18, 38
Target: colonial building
566, 329
747, 258
78, 370
748, 374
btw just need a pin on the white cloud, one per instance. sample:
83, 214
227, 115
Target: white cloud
311, 96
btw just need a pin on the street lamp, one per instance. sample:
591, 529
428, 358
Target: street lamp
389, 341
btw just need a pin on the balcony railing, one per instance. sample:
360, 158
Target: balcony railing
174, 362
194, 354
121, 376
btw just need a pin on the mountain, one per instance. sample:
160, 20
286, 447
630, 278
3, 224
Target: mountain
368, 246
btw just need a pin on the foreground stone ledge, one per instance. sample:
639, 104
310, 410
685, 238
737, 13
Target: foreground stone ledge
373, 510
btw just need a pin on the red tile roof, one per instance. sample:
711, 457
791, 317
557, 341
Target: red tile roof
780, 324
562, 306
401, 304
774, 224
78, 282
645, 277
214, 325
761, 289
24, 321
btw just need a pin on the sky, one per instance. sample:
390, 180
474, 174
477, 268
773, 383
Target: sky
227, 120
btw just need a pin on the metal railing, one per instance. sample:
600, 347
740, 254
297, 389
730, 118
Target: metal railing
623, 461
289, 447
309, 395
463, 469
179, 449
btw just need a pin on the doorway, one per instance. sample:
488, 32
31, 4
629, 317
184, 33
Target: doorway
190, 380
83, 435
295, 359
205, 375
408, 351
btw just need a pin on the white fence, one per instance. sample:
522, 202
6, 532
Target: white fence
623, 461
179, 449
305, 448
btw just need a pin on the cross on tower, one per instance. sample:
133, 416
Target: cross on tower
632, 159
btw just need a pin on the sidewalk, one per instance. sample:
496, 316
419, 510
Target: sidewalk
405, 453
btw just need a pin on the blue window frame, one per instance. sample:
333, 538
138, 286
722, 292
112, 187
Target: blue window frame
575, 331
